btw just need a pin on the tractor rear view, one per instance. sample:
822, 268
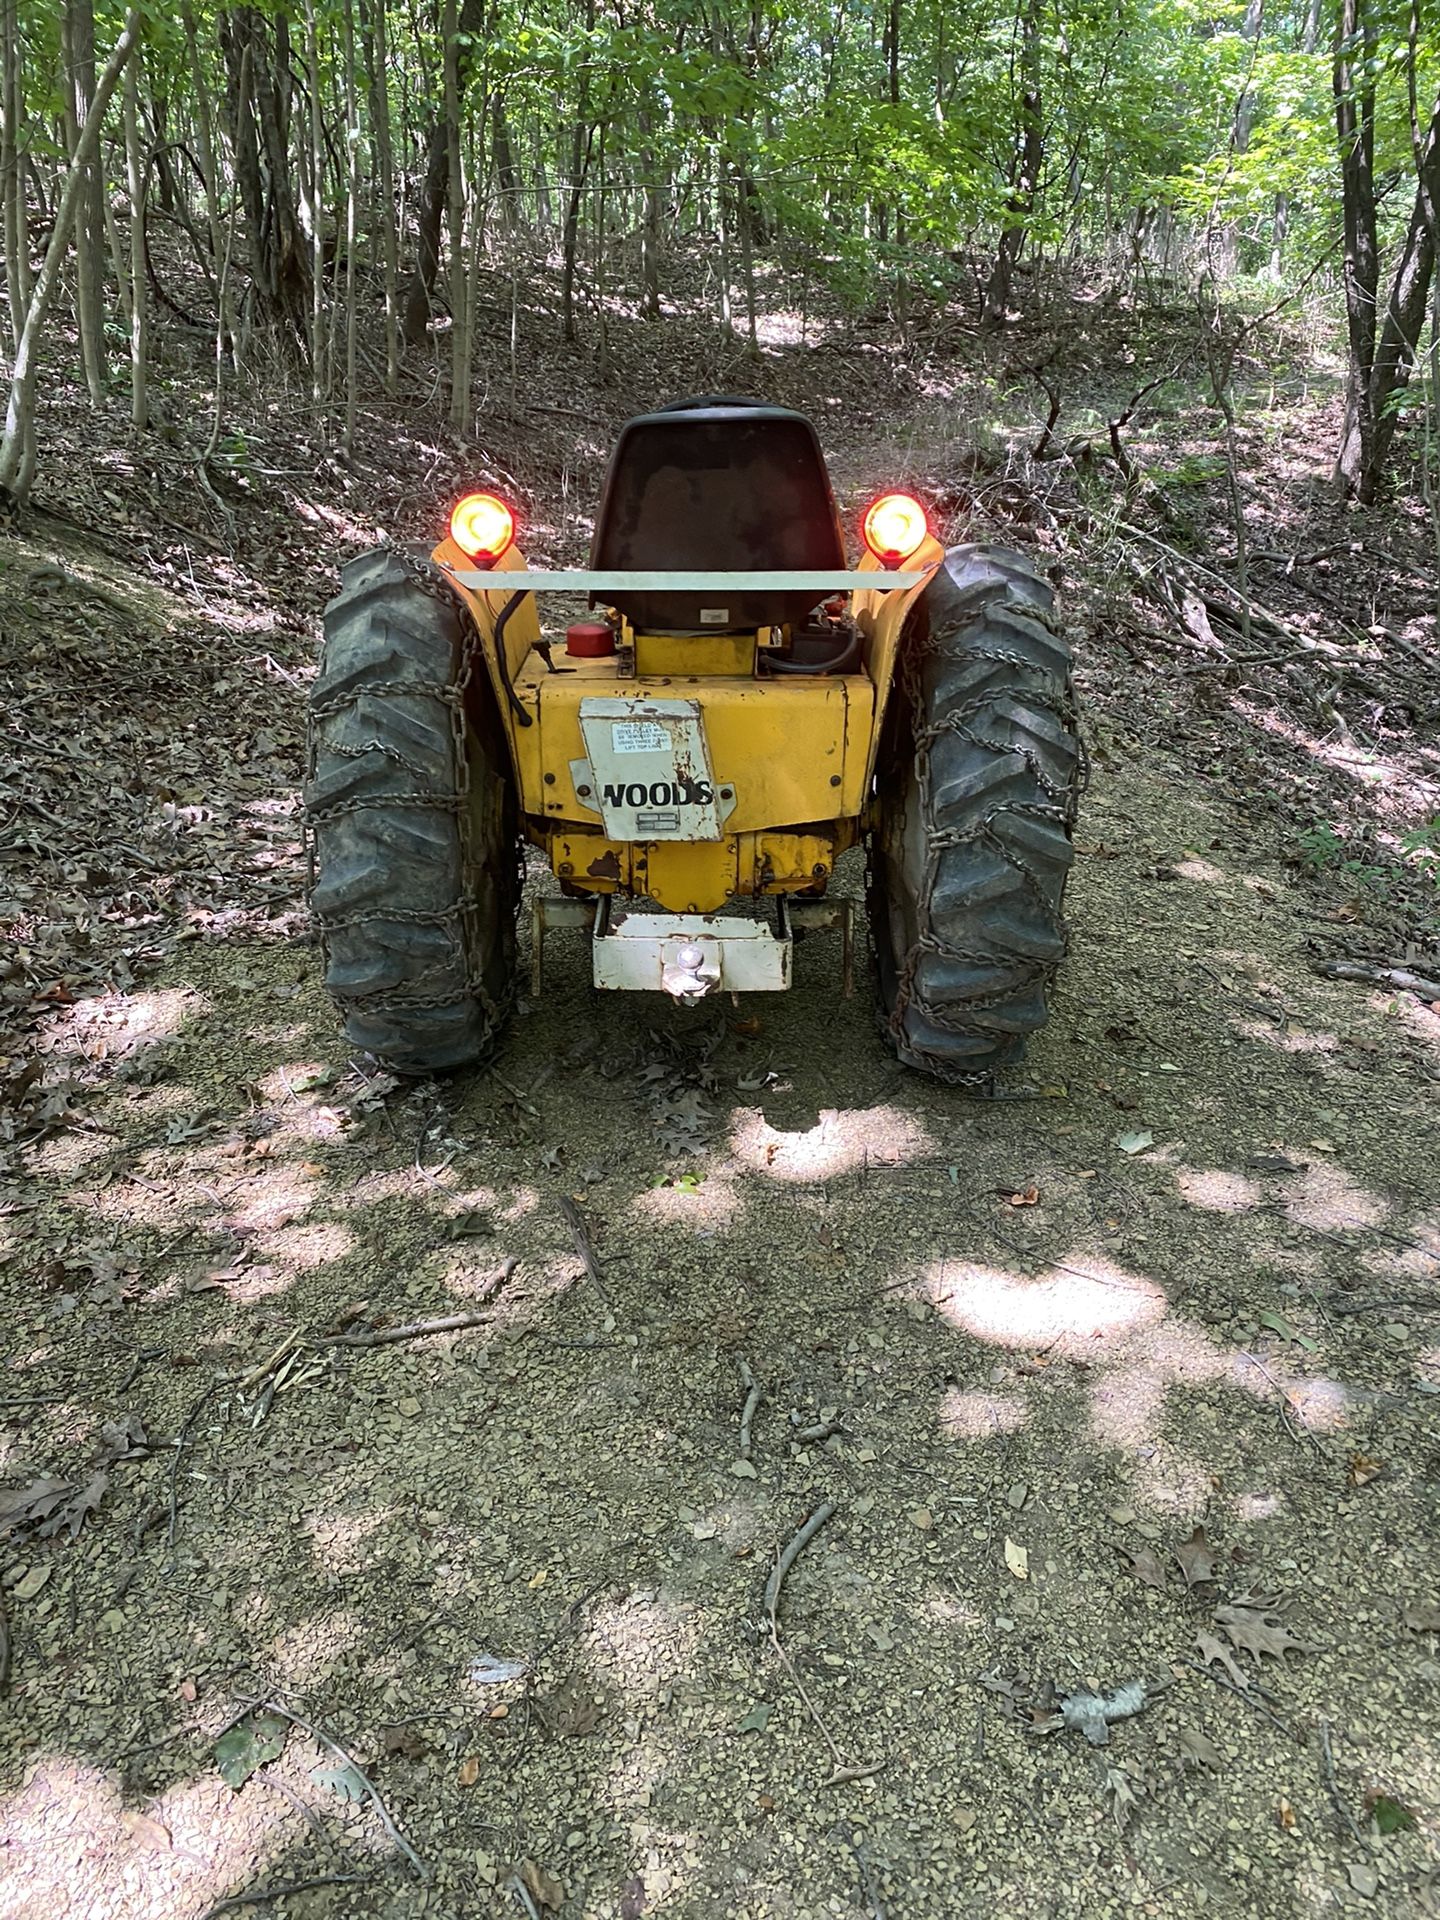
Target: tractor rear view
741, 708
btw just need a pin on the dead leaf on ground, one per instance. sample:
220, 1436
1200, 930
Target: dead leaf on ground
124, 1439
1197, 1559
147, 1832
1254, 1630
1017, 1559
469, 1771
48, 1504
405, 1741
24, 1506
570, 1712
1213, 1651
545, 1890
1121, 1791
1284, 1815
1145, 1566
1198, 1750
1364, 1468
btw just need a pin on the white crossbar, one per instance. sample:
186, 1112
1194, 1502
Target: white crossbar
612, 580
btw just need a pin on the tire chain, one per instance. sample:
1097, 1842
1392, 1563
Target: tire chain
1056, 696
430, 579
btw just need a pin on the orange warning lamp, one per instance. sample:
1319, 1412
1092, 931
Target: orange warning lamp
482, 526
894, 527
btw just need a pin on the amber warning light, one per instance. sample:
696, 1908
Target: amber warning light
894, 527
482, 526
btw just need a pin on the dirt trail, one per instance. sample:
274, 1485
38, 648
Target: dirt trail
1176, 1322
1188, 1277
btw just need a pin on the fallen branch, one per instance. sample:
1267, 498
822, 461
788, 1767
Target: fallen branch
422, 1329
749, 1410
1327, 1771
172, 1525
825, 1511
4, 1649
1414, 1301
261, 1896
1400, 977
584, 1245
1242, 1693
346, 1759
841, 1769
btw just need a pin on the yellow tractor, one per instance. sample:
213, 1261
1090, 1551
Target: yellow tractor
740, 708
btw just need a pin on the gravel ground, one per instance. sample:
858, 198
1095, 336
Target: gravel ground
517, 1573
1119, 1390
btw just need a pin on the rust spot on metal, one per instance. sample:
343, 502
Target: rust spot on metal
606, 867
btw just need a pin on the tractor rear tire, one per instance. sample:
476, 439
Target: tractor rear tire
415, 866
976, 791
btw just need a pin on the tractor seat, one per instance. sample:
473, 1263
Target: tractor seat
716, 485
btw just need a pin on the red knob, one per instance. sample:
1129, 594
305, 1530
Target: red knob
590, 639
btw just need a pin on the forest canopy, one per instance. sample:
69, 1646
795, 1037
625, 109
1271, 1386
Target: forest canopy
325, 173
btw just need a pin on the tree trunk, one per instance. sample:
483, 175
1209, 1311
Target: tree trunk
649, 225
389, 243
78, 54
453, 99
1025, 173
1404, 312
139, 312
17, 449
12, 171
259, 132
352, 222
435, 189
507, 184
1354, 83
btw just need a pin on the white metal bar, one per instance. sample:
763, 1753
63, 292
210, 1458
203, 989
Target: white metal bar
613, 580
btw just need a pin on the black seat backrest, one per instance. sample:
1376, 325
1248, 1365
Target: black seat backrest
717, 486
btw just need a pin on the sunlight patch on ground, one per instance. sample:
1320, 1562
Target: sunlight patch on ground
352, 532
1217, 1190
842, 1140
1072, 1313
1288, 1039
948, 1610
1400, 790
1169, 1482
266, 1200
1423, 1025
1193, 867
66, 1154
523, 1202
711, 1205
106, 1024
1260, 1506
342, 1542
70, 1853
317, 1243
1324, 1406
648, 1639
1326, 1198
972, 1414
1119, 1326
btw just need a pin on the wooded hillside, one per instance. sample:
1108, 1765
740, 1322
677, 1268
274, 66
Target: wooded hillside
316, 189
